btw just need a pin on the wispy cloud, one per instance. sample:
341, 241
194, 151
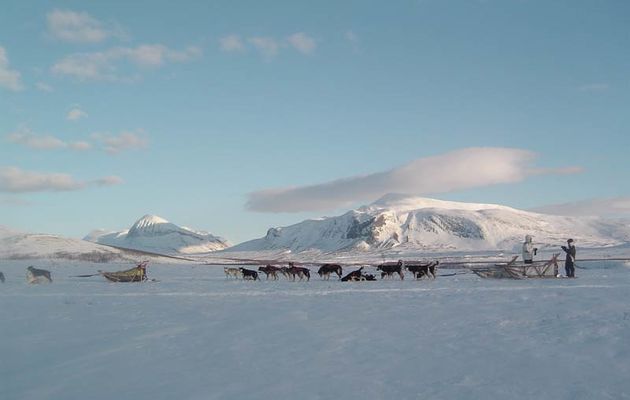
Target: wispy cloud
108, 181
80, 145
114, 144
350, 36
76, 114
302, 42
231, 43
353, 39
594, 87
155, 55
267, 46
9, 78
26, 137
108, 143
456, 170
603, 207
16, 180
79, 27
104, 65
44, 87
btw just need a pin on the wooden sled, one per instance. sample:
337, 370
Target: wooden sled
136, 274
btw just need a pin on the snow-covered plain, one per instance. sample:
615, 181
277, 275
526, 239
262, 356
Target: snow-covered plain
196, 335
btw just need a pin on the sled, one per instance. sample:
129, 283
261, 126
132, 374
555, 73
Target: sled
514, 270
136, 274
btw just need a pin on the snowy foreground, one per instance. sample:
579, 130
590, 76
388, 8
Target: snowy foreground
196, 335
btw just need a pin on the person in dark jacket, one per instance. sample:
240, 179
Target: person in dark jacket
569, 263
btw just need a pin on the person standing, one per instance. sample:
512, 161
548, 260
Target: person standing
529, 251
569, 262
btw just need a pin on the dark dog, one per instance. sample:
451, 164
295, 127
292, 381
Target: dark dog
358, 275
270, 270
353, 276
249, 274
327, 269
388, 270
300, 272
368, 277
285, 271
34, 275
421, 270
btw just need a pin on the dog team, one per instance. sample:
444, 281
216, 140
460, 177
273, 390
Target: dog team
388, 271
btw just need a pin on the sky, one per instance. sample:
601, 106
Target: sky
237, 116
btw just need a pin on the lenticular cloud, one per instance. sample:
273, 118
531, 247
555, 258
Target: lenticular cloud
457, 170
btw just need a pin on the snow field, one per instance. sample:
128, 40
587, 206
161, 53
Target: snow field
197, 335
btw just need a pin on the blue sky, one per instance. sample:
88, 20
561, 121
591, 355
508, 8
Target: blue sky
237, 116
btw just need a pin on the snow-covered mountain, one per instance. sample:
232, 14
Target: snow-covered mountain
21, 245
155, 234
420, 224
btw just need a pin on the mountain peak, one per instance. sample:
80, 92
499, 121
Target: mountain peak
149, 219
156, 234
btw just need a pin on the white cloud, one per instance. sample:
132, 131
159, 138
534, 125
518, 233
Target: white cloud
594, 87
44, 87
353, 39
231, 43
87, 66
351, 36
9, 78
111, 144
80, 146
26, 137
267, 46
16, 180
302, 42
79, 27
108, 181
76, 114
456, 170
104, 65
154, 55
603, 207
125, 141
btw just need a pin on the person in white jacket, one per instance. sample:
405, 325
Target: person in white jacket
529, 251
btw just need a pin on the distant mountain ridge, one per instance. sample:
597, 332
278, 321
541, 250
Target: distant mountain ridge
18, 245
421, 224
155, 234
